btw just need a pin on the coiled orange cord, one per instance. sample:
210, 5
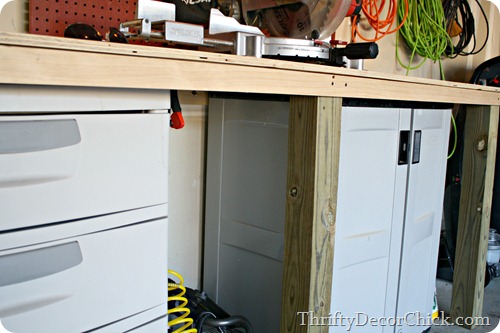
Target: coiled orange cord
374, 11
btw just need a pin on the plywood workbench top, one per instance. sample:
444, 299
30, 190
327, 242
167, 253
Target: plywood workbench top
43, 60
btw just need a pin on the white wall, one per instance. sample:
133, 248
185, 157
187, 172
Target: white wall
186, 189
14, 15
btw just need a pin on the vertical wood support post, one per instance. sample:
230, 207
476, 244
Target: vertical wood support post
480, 144
313, 165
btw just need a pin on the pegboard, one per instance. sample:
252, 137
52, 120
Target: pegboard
51, 17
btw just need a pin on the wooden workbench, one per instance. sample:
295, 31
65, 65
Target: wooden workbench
313, 141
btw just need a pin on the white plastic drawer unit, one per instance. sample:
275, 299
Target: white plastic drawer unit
83, 209
104, 274
63, 167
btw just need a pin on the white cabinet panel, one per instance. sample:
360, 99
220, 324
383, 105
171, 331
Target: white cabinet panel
422, 225
63, 167
368, 229
49, 99
159, 325
85, 281
245, 218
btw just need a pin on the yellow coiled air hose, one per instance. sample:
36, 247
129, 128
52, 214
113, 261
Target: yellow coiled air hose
180, 310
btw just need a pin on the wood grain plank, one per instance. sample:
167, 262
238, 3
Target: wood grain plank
481, 132
77, 62
142, 51
313, 150
44, 66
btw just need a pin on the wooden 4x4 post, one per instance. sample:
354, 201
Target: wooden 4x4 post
313, 150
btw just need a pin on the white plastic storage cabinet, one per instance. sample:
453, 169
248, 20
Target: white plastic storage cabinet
391, 182
245, 209
83, 209
390, 197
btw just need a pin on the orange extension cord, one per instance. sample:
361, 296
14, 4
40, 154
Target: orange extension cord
374, 11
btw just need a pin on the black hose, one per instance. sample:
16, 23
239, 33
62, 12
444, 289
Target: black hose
174, 101
238, 321
458, 12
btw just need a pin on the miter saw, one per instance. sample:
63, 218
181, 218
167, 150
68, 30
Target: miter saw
284, 29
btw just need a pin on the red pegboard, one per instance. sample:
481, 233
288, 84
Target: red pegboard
51, 17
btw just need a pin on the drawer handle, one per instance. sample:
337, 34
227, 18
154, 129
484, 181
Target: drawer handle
37, 135
34, 264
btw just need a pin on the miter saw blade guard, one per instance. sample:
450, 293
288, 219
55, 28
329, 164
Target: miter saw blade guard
296, 19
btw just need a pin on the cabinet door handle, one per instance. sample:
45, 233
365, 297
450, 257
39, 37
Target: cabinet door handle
404, 138
417, 140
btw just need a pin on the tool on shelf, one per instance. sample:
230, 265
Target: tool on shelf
226, 34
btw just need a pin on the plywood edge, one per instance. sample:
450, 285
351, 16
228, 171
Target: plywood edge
45, 66
50, 42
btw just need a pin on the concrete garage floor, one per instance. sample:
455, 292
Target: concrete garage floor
491, 307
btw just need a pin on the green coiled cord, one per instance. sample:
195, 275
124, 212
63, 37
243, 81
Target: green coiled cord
424, 32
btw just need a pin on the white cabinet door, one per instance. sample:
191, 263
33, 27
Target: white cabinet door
245, 216
368, 234
423, 218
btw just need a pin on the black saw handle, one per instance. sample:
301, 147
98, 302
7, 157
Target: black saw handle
359, 51
353, 51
